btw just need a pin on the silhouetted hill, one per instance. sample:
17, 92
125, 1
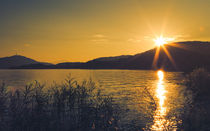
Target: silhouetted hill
16, 60
21, 62
184, 56
112, 58
35, 66
115, 62
69, 65
179, 56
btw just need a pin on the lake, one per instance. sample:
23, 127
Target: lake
134, 90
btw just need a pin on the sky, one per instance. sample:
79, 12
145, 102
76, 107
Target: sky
80, 30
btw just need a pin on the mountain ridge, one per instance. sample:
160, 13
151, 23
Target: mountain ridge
16, 60
183, 56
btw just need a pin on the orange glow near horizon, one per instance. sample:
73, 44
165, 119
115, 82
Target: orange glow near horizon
79, 31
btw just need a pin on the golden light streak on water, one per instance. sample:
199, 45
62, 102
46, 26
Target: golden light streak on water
160, 122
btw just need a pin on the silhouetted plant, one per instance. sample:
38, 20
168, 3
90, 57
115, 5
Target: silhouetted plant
197, 109
67, 106
199, 83
3, 106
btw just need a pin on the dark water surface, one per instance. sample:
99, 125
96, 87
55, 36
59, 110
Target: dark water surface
129, 88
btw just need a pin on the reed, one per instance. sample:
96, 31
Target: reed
197, 108
67, 106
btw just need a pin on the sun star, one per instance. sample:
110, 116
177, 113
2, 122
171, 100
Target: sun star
160, 41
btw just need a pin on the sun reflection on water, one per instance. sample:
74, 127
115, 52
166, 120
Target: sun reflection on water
160, 121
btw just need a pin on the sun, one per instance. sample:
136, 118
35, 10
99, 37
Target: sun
160, 41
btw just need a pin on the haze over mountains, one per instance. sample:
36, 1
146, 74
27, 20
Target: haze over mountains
181, 56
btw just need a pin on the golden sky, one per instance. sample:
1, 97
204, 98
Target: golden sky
80, 30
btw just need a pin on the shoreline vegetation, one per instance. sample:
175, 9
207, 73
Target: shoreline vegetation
73, 106
70, 106
196, 114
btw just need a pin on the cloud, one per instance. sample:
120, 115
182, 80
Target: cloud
181, 37
134, 40
175, 37
99, 38
147, 37
27, 45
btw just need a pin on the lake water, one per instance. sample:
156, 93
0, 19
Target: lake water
134, 90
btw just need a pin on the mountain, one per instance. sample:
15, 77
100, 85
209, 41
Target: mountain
112, 58
179, 56
38, 65
114, 62
16, 60
69, 65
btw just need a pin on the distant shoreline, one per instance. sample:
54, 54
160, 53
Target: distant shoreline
93, 69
